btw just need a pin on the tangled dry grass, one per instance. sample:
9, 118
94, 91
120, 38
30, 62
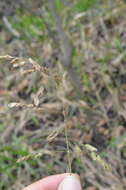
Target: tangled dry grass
39, 96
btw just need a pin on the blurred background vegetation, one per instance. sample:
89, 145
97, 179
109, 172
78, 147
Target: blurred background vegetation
89, 73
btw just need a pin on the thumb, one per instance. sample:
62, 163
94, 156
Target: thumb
70, 182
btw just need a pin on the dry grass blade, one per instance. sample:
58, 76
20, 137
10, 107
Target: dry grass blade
6, 57
52, 136
36, 101
16, 105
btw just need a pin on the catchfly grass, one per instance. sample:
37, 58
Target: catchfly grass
61, 106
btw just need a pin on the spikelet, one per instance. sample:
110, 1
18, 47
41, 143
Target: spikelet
33, 156
90, 148
96, 157
102, 162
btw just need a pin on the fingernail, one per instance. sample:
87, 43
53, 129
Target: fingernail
70, 182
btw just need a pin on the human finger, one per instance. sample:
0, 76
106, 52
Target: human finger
47, 183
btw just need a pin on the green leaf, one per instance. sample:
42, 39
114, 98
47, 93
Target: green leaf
86, 80
59, 5
85, 5
29, 26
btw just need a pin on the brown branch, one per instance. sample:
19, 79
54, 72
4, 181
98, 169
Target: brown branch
66, 50
66, 44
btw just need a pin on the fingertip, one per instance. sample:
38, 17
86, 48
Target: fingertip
70, 182
47, 183
55, 182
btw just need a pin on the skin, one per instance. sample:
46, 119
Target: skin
47, 183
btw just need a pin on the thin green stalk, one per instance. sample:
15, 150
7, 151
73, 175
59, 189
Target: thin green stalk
68, 150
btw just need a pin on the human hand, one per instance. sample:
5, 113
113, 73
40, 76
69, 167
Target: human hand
64, 181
